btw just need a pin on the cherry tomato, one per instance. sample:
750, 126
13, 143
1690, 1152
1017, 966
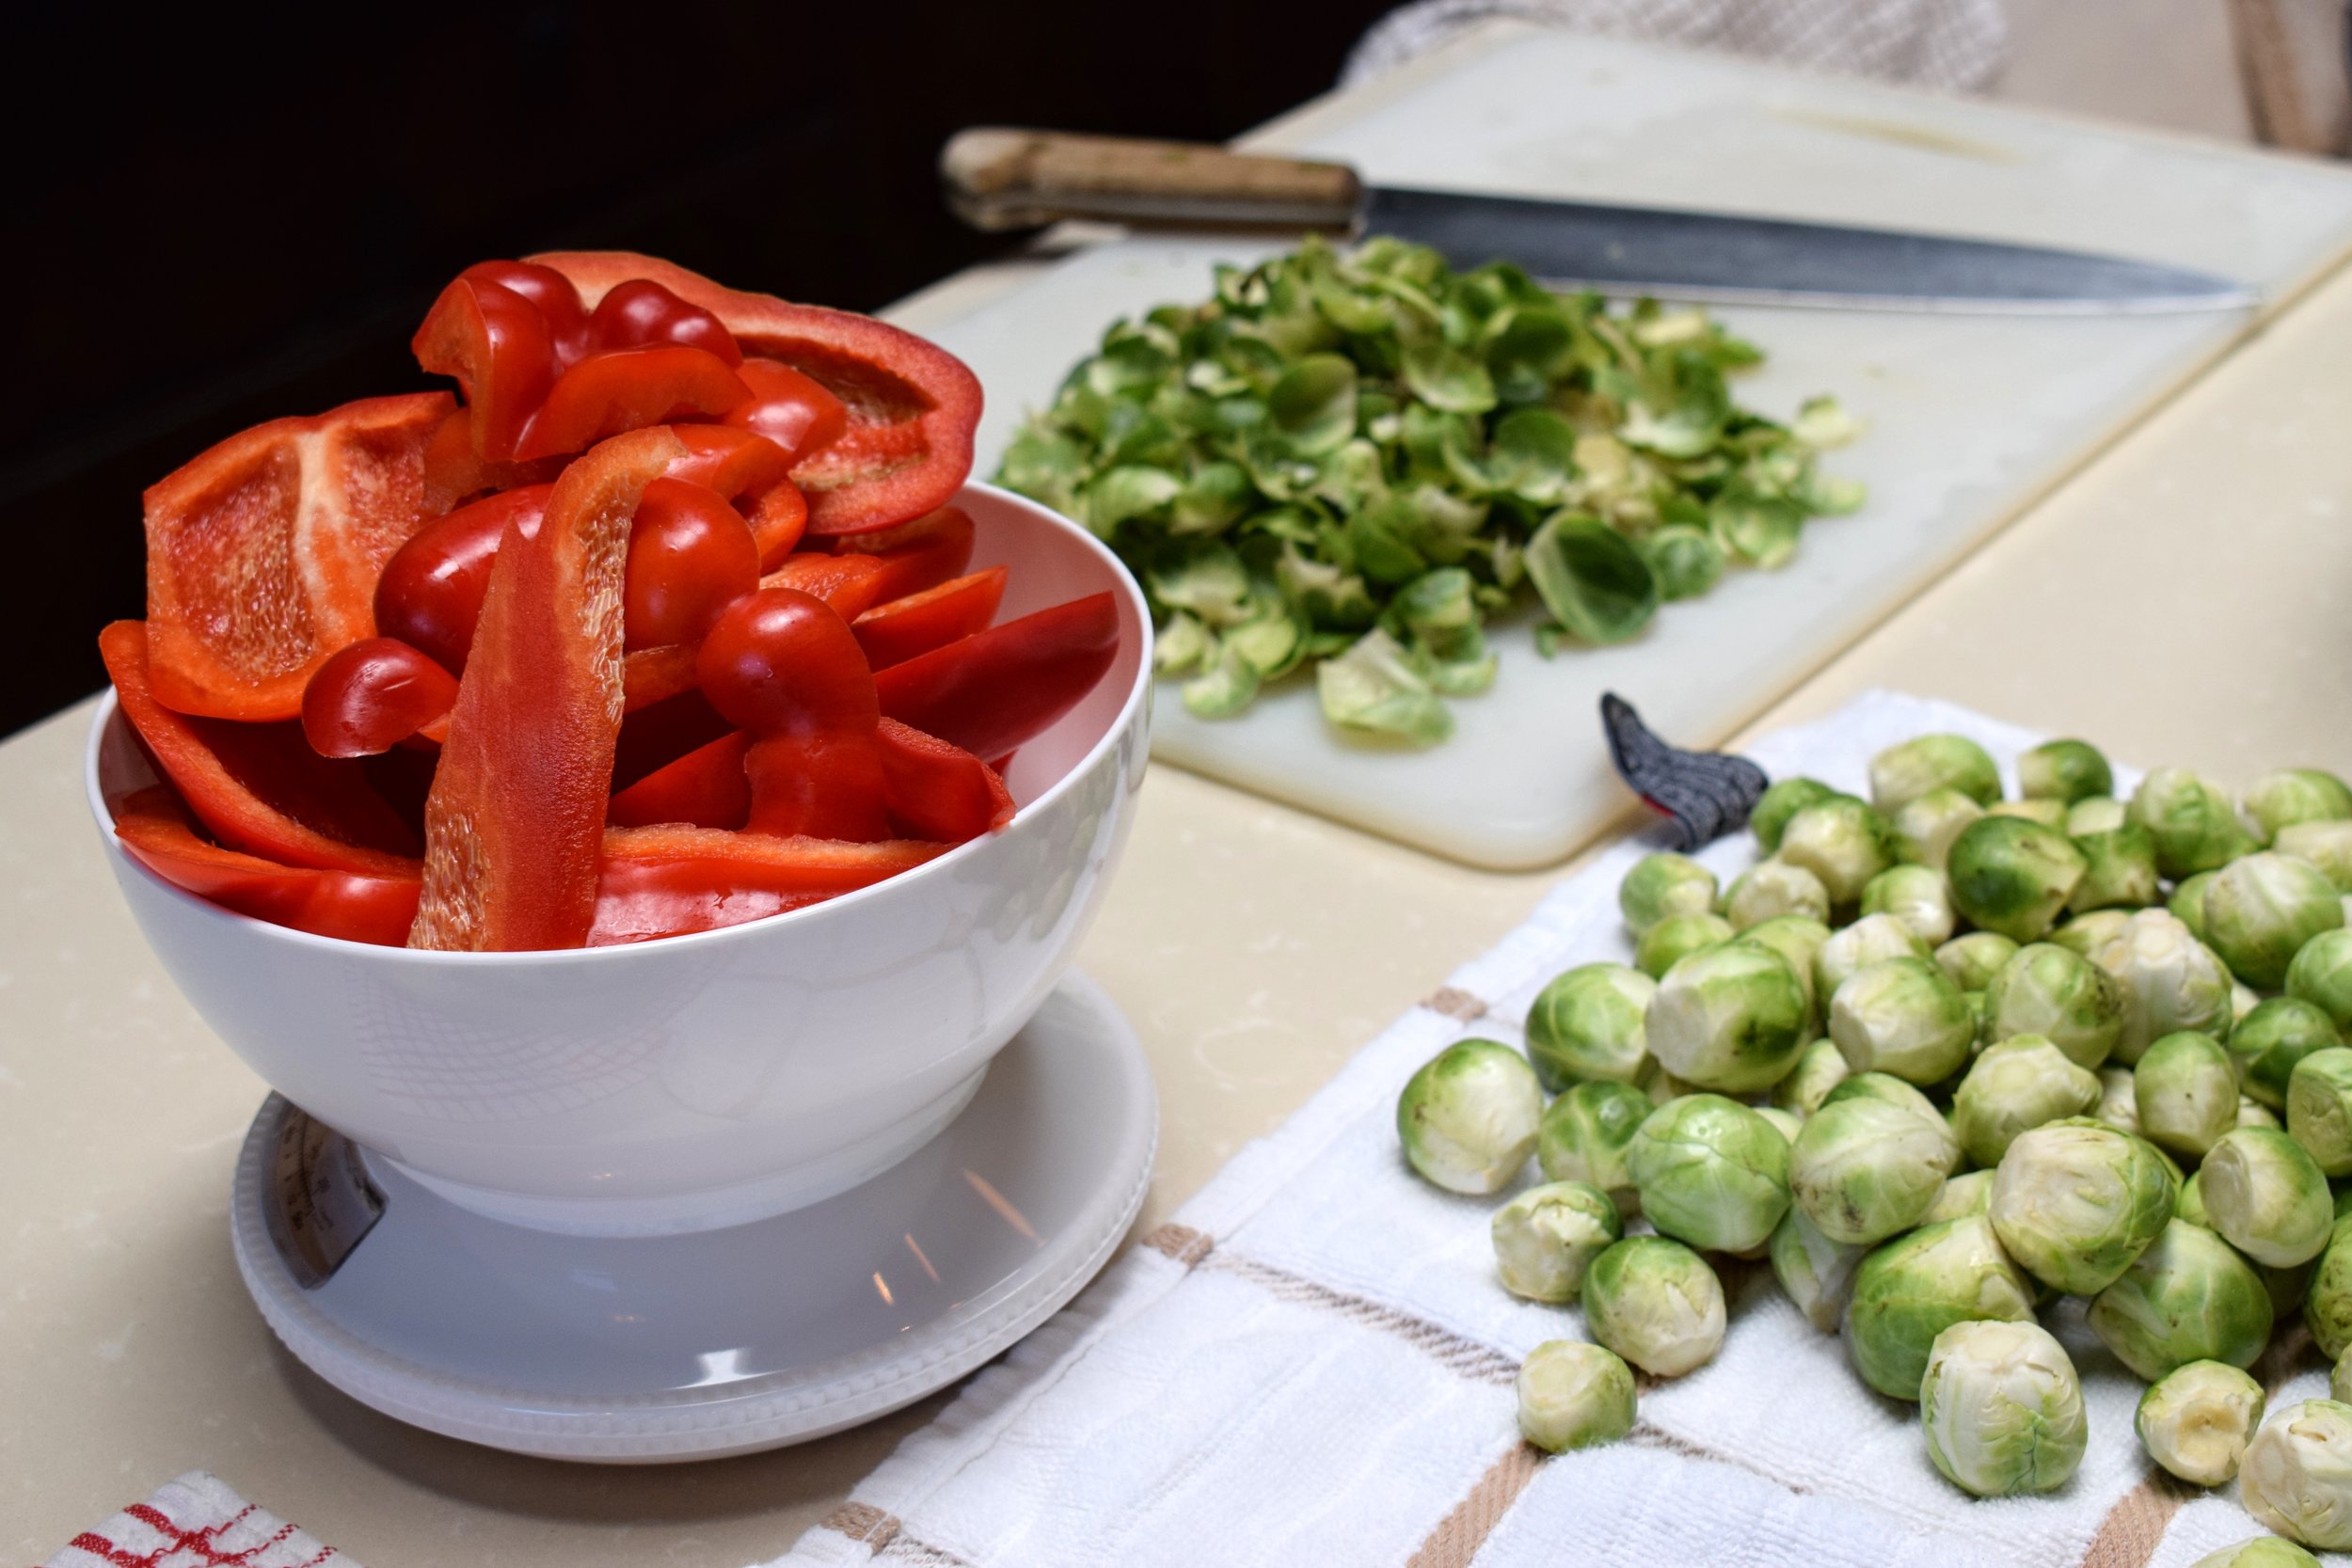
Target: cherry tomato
641, 312
430, 595
627, 388
793, 410
497, 346
780, 662
689, 556
372, 696
552, 293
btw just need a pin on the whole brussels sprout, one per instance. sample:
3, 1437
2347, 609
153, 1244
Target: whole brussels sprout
2187, 1093
2187, 1298
2171, 982
1656, 1303
2287, 1286
1820, 1068
2074, 1202
1585, 1135
2187, 903
1676, 938
2266, 1196
1798, 939
2268, 1041
1730, 1018
1914, 894
1587, 1023
1841, 841
2340, 1379
1905, 1016
2012, 876
1900, 774
1772, 888
2188, 1204
2119, 1099
2325, 845
1661, 885
2327, 1296
2196, 1420
1816, 1273
2087, 933
1787, 1123
2296, 1475
1868, 941
1467, 1117
2013, 1087
2290, 796
2261, 910
2322, 975
1864, 1169
1973, 961
2118, 870
2262, 1551
2195, 826
2067, 770
1546, 1238
1970, 1193
1662, 1085
1574, 1396
2044, 990
1924, 829
2098, 814
2002, 1409
2319, 1108
1910, 1290
1778, 803
1711, 1172
2045, 814
2254, 1113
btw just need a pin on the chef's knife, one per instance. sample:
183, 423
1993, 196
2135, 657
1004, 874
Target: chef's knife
1009, 179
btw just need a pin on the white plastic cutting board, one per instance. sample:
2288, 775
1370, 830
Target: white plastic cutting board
1970, 417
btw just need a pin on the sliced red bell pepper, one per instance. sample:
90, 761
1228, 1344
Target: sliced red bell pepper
667, 882
779, 517
513, 823
911, 405
552, 293
705, 789
497, 346
372, 696
455, 474
732, 462
917, 555
628, 389
999, 688
938, 791
258, 788
354, 906
852, 584
897, 630
263, 552
657, 732
784, 666
790, 409
642, 312
430, 593
689, 556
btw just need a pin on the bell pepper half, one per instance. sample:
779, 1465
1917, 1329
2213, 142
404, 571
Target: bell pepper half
355, 906
667, 882
898, 630
999, 688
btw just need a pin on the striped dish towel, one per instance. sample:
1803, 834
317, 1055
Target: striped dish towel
1314, 1364
197, 1522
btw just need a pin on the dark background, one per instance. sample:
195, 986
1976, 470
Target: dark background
221, 218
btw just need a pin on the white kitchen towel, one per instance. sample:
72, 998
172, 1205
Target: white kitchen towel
1312, 1364
197, 1522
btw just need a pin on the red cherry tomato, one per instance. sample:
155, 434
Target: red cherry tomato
430, 595
793, 410
689, 556
780, 662
627, 388
372, 696
552, 293
642, 313
497, 344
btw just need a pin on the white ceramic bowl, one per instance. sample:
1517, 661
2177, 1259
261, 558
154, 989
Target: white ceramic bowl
703, 1079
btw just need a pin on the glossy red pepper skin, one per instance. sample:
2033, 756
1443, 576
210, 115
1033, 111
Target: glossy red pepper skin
497, 346
430, 593
642, 313
689, 556
779, 517
851, 584
628, 389
917, 555
735, 463
1000, 689
552, 292
705, 789
513, 825
456, 475
372, 696
794, 411
354, 906
894, 632
668, 882
784, 666
938, 791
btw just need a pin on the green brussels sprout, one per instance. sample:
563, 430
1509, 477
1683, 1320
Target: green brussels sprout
2195, 1422
2021, 1083
1842, 841
1815, 1273
1686, 561
1820, 1068
2325, 845
2319, 1108
2098, 814
2266, 1196
1796, 938
2187, 903
2254, 1113
1586, 1134
2187, 1298
1664, 884
1910, 1290
2171, 982
1914, 894
2002, 1409
2328, 1295
1587, 1023
1887, 1086
2260, 908
1900, 774
2188, 1204
1868, 941
1730, 1018
1546, 1238
2296, 1475
2074, 1202
2268, 1041
2192, 821
2262, 1551
1711, 1172
1905, 1016
1778, 803
1676, 938
1864, 1169
2290, 796
2119, 1099
2043, 814
2087, 933
1786, 1123
2045, 989
2118, 870
2322, 975
1467, 1117
2012, 876
2340, 1379
1656, 1303
1574, 1396
1662, 1086
2187, 1093
1970, 1193
1924, 829
2064, 771
1772, 888
2287, 1286
1973, 961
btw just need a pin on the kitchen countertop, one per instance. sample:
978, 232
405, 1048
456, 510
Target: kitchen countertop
2181, 600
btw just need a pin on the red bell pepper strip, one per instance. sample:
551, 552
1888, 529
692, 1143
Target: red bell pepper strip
454, 474
917, 555
852, 584
497, 346
999, 688
355, 906
779, 515
552, 293
642, 312
430, 593
263, 552
897, 632
735, 463
705, 789
372, 696
689, 556
667, 882
790, 409
782, 665
911, 405
513, 826
628, 389
657, 732
938, 791
258, 788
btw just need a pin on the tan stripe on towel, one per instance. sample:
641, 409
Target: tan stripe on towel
1477, 1362
2135, 1527
863, 1522
1460, 1533
1456, 1003
1182, 1243
920, 1554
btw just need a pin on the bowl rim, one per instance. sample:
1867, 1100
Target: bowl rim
1138, 696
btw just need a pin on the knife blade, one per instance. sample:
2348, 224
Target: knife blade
1000, 178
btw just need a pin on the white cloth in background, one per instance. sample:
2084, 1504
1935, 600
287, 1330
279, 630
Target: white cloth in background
197, 1522
1956, 44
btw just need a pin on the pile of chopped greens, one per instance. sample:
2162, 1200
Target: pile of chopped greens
1355, 458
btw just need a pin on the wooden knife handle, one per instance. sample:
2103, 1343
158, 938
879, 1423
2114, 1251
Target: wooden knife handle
1000, 178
